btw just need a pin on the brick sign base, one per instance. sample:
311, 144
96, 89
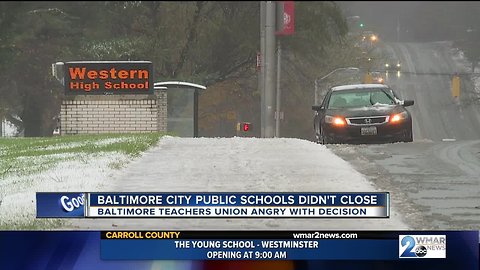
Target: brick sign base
114, 114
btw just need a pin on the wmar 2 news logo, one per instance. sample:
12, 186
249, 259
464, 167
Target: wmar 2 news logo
422, 246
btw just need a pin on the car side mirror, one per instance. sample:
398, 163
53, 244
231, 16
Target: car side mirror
317, 108
407, 103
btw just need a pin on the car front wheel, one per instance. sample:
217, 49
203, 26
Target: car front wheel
317, 133
322, 139
408, 136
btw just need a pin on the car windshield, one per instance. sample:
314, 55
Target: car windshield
359, 98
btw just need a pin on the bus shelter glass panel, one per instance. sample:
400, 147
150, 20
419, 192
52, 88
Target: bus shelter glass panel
181, 111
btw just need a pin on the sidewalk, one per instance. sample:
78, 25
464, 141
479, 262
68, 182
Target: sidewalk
241, 165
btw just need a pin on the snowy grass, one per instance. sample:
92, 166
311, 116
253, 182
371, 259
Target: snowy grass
465, 66
23, 156
77, 163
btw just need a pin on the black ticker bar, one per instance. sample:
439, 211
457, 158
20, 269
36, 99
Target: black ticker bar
320, 235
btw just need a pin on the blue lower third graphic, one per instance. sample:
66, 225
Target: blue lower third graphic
60, 205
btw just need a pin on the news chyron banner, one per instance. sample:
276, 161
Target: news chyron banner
213, 250
213, 205
108, 77
281, 245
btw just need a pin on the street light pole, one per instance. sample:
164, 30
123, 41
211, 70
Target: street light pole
261, 73
326, 76
270, 70
277, 114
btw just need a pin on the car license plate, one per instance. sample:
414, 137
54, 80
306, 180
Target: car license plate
368, 131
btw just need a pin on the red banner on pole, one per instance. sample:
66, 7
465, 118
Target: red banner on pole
288, 18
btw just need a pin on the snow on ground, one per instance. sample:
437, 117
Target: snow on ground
240, 165
459, 57
476, 83
81, 172
8, 129
465, 66
79, 144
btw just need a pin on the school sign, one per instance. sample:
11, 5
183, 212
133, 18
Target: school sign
108, 77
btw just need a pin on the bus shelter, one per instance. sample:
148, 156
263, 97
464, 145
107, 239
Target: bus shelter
182, 107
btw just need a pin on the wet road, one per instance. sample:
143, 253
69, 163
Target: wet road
436, 179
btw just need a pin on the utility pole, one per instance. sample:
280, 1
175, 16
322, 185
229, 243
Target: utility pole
261, 73
398, 28
279, 69
270, 69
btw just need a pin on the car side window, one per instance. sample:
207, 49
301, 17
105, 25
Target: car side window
391, 93
381, 98
324, 102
